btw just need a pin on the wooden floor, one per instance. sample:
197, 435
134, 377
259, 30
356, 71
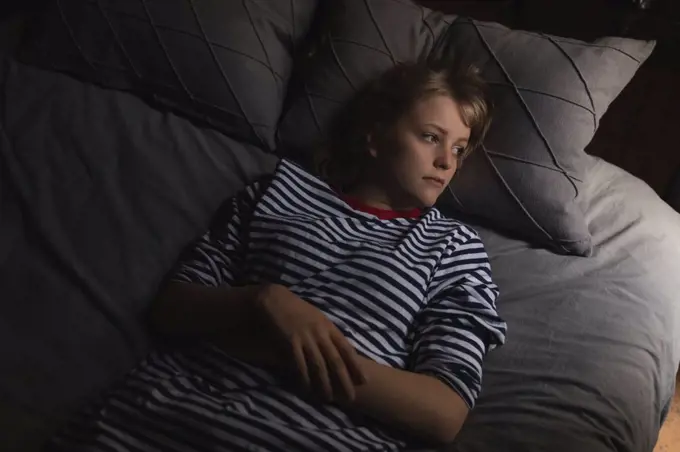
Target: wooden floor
669, 438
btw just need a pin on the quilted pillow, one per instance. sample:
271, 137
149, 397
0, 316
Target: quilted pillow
224, 62
549, 95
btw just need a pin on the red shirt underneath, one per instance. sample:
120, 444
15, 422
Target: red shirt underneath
383, 214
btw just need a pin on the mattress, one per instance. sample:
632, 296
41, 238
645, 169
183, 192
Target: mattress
99, 193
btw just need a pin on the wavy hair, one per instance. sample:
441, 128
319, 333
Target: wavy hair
381, 103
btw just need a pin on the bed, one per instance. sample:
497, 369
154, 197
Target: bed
100, 189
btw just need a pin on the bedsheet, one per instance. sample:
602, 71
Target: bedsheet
593, 343
99, 192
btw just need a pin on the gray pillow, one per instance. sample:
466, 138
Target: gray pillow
224, 62
549, 94
673, 193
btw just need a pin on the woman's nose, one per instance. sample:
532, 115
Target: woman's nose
445, 159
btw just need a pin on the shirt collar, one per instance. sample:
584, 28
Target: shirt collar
383, 214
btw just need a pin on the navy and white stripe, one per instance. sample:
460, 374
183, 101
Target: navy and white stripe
412, 293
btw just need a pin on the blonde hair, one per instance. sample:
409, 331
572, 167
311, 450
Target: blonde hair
378, 106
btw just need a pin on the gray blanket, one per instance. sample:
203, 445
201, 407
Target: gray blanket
593, 343
99, 192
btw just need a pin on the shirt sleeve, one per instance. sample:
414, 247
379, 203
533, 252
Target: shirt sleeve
459, 324
215, 259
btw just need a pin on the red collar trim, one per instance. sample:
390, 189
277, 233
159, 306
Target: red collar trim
383, 214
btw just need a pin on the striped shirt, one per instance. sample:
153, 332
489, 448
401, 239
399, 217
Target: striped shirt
412, 293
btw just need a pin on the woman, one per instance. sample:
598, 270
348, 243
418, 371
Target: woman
337, 312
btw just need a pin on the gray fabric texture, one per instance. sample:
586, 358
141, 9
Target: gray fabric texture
99, 193
105, 192
224, 62
673, 193
549, 94
593, 344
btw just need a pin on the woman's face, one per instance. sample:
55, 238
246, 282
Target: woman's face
418, 157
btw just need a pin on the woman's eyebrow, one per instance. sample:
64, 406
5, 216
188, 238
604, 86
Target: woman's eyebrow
438, 127
443, 131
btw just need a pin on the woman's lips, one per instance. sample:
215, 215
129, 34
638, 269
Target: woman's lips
436, 181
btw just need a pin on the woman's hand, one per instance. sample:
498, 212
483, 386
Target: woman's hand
323, 356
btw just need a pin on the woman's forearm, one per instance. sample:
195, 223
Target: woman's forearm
224, 315
419, 404
194, 310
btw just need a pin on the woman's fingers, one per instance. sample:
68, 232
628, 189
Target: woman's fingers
349, 357
339, 371
317, 363
300, 361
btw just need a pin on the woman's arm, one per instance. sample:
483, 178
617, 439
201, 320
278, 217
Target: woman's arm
415, 403
201, 301
196, 311
418, 403
451, 336
225, 315
263, 324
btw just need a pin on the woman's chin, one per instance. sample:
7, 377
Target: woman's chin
425, 202
422, 199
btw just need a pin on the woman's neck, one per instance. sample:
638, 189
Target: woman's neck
377, 198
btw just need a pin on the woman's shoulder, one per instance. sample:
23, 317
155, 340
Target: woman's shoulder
299, 173
295, 191
452, 225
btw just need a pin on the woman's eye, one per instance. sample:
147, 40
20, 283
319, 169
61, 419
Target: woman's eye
458, 150
431, 138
